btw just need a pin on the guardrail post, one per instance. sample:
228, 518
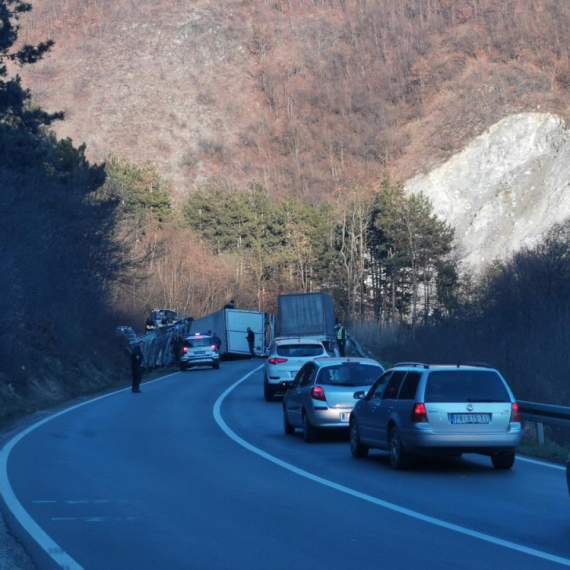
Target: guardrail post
540, 433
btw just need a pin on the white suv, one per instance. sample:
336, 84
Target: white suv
286, 357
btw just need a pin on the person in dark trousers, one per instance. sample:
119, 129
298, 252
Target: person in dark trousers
251, 341
341, 338
177, 343
217, 341
137, 365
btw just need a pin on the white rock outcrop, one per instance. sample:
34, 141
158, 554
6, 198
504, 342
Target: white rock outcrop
505, 189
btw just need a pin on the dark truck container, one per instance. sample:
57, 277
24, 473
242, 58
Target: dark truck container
307, 314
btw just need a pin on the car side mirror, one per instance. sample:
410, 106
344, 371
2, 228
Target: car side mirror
359, 395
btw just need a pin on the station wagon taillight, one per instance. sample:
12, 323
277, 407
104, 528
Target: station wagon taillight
317, 393
419, 413
215, 347
277, 360
185, 350
515, 413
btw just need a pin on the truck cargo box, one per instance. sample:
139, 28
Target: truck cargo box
306, 314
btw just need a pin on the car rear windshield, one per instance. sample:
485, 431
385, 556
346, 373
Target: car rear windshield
465, 386
198, 342
300, 350
349, 374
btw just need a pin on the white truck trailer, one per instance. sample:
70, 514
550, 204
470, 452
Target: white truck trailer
231, 326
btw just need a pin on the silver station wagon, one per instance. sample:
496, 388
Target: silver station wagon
324, 392
416, 409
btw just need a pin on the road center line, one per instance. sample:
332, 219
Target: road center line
369, 498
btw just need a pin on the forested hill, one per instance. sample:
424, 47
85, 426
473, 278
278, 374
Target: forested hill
302, 96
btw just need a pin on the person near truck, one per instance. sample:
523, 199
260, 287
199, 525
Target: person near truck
341, 338
177, 343
217, 341
251, 341
137, 366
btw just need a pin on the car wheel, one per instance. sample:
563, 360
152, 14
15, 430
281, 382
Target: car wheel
216, 365
310, 433
356, 447
287, 427
399, 459
268, 392
503, 459
182, 368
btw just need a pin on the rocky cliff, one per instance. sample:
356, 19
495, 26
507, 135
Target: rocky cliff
505, 189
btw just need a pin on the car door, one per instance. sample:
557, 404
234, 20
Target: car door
294, 396
383, 412
367, 408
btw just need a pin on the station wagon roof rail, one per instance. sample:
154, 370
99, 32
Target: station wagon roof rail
422, 364
475, 364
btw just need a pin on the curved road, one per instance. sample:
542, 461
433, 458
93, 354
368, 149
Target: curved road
196, 473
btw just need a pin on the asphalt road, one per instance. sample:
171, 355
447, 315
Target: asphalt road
192, 475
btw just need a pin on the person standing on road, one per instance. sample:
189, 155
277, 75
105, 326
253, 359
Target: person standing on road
341, 339
217, 341
251, 341
177, 343
137, 365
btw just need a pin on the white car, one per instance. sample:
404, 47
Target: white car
286, 357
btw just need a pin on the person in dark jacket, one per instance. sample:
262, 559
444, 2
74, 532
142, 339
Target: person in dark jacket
177, 344
217, 341
251, 341
137, 365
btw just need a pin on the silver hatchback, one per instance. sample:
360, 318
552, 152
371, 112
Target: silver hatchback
416, 409
324, 392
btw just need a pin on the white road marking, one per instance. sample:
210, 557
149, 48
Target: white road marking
43, 502
369, 498
45, 542
543, 463
63, 519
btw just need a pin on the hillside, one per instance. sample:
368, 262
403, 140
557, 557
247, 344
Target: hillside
306, 97
506, 189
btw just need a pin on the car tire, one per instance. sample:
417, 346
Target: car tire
182, 368
268, 392
503, 459
287, 427
357, 448
310, 433
216, 365
399, 458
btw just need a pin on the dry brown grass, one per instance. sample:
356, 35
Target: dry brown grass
304, 97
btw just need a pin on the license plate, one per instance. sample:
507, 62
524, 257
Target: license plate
200, 352
470, 418
344, 416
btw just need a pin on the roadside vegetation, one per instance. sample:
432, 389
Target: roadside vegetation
87, 247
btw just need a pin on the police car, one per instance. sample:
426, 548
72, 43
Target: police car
199, 350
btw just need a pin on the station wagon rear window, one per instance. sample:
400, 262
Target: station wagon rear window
465, 386
300, 350
349, 374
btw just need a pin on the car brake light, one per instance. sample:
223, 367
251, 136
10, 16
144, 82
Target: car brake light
419, 413
515, 413
317, 393
215, 348
185, 350
277, 360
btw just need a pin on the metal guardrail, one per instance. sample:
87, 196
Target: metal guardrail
545, 413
